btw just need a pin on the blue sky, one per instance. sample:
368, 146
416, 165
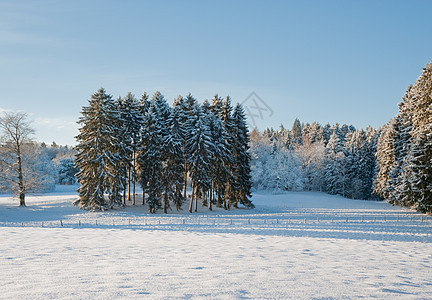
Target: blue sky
326, 61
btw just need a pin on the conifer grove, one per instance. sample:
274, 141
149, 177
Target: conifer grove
179, 155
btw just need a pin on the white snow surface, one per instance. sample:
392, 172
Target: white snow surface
300, 245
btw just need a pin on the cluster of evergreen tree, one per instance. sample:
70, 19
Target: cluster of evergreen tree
332, 158
162, 148
404, 150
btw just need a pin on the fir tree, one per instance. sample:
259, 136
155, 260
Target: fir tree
97, 158
229, 186
199, 148
385, 160
173, 160
335, 169
296, 133
242, 158
361, 164
131, 121
183, 114
150, 162
140, 167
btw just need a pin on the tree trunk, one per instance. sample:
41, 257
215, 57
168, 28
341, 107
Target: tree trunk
219, 197
185, 180
196, 199
211, 198
133, 179
191, 201
166, 200
204, 199
129, 183
133, 194
20, 179
22, 199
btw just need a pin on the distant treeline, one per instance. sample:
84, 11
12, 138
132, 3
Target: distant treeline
337, 159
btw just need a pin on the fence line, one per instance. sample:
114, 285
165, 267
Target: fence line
399, 220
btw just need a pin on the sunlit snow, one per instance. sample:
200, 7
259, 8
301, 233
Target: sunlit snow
293, 245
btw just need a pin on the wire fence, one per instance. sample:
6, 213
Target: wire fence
236, 221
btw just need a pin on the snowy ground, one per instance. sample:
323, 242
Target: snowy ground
294, 245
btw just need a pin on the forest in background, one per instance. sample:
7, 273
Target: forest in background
336, 159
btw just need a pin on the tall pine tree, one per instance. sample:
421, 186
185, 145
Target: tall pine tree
98, 158
242, 158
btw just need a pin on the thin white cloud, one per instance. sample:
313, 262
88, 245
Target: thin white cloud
60, 130
55, 123
2, 110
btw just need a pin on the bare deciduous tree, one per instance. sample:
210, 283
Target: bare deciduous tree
15, 136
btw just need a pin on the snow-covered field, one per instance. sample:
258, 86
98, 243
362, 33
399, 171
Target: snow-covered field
293, 245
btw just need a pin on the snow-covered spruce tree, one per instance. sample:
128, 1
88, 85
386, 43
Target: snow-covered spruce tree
335, 169
66, 171
223, 152
115, 150
296, 133
199, 150
285, 137
188, 106
173, 160
150, 155
314, 132
212, 121
97, 158
229, 187
327, 133
220, 151
242, 158
361, 165
385, 160
131, 123
401, 140
180, 105
144, 104
216, 106
402, 150
170, 149
122, 146
142, 175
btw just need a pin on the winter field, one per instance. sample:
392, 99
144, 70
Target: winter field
294, 245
